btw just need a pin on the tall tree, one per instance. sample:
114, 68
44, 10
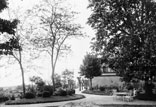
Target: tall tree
23, 33
90, 67
8, 28
126, 35
56, 26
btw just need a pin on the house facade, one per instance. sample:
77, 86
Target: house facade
108, 78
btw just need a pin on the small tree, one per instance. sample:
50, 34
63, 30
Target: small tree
57, 79
90, 67
39, 82
68, 78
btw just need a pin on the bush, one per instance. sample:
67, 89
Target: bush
12, 97
49, 89
46, 94
39, 94
146, 97
73, 91
63, 93
6, 98
29, 95
3, 98
60, 92
70, 92
102, 88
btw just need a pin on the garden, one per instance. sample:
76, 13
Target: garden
44, 96
143, 92
40, 92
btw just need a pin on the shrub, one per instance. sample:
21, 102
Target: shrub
63, 93
73, 91
39, 94
60, 92
12, 97
146, 97
6, 98
29, 95
3, 98
130, 87
49, 89
31, 89
46, 94
70, 92
102, 88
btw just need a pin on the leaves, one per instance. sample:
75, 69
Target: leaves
126, 32
3, 5
90, 67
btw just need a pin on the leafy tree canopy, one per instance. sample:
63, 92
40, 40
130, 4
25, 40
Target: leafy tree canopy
126, 36
7, 26
90, 67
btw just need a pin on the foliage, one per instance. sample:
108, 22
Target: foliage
146, 97
46, 94
7, 25
102, 88
70, 91
3, 98
3, 5
29, 95
45, 100
39, 82
68, 78
90, 67
15, 35
31, 89
49, 89
39, 94
56, 26
129, 87
12, 97
126, 36
60, 92
63, 93
148, 87
57, 79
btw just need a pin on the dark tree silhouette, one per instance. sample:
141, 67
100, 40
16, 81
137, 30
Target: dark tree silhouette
126, 36
7, 26
90, 67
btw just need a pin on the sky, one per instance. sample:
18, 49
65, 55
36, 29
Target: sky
11, 75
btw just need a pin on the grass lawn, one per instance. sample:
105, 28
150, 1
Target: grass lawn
45, 100
96, 92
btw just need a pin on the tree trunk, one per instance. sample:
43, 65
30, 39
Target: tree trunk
53, 72
90, 83
23, 81
19, 60
53, 80
22, 71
